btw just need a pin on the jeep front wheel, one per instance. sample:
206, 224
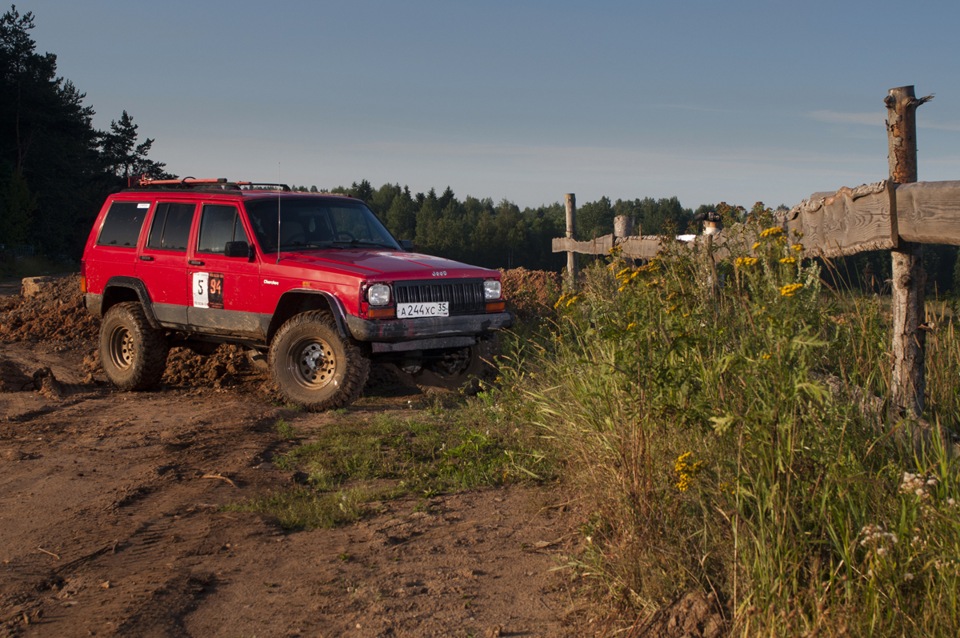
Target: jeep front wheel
314, 365
133, 354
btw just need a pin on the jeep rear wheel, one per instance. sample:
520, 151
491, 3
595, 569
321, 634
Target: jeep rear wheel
314, 365
133, 355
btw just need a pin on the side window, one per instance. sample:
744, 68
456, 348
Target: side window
170, 229
123, 223
218, 225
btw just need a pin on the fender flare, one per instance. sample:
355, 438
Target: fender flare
134, 284
333, 302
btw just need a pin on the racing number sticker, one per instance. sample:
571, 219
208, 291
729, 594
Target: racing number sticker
208, 290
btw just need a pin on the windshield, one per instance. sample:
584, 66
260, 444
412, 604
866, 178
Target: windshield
316, 222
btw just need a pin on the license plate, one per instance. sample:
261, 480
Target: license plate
415, 310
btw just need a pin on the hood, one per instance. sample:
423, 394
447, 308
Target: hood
385, 264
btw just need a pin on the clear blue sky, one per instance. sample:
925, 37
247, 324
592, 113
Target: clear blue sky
525, 100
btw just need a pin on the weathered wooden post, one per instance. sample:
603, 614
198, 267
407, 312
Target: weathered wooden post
907, 380
570, 201
622, 227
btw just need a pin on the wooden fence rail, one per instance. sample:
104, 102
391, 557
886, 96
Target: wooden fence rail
844, 222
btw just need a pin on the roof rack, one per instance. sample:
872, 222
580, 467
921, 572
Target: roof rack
220, 183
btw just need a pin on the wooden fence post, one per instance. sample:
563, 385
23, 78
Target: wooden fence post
907, 379
570, 201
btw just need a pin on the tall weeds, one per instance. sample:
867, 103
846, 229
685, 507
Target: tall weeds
725, 424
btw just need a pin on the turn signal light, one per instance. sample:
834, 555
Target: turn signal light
382, 313
496, 306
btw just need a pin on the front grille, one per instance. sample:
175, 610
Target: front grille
465, 295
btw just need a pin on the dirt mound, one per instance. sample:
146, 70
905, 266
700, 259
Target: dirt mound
531, 293
52, 310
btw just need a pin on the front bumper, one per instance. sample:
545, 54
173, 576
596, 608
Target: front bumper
418, 333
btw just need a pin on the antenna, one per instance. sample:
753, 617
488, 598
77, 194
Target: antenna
278, 214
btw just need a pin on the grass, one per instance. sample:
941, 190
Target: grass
346, 469
726, 426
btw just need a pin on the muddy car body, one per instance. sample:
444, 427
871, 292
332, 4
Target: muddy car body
314, 281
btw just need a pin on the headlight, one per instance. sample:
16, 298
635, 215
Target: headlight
491, 290
378, 295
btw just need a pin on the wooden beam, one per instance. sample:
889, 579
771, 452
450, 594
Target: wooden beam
845, 222
929, 212
642, 247
598, 246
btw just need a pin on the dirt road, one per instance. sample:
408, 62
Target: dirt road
111, 519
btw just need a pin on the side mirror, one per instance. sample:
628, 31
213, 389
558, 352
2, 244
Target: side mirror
238, 249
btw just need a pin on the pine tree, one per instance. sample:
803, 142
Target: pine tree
123, 156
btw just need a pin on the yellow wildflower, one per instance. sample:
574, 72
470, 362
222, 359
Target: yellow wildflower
565, 300
788, 260
773, 231
740, 262
790, 289
685, 470
797, 247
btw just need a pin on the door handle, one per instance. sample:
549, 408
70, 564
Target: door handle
146, 258
195, 262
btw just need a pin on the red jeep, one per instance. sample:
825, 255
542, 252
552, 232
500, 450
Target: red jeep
314, 280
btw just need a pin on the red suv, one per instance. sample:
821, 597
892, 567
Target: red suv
314, 280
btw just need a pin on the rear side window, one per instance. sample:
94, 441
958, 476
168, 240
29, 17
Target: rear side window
218, 225
170, 229
123, 223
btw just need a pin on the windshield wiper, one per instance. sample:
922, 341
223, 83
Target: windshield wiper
305, 245
362, 242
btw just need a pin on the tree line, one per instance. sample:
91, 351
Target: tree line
501, 235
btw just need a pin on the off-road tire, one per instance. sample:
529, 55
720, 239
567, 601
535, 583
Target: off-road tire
133, 355
465, 370
314, 366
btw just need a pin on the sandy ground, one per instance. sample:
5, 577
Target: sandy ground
111, 521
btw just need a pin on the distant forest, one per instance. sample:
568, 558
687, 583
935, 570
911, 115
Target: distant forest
56, 169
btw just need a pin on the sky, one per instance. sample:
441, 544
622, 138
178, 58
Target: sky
523, 100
